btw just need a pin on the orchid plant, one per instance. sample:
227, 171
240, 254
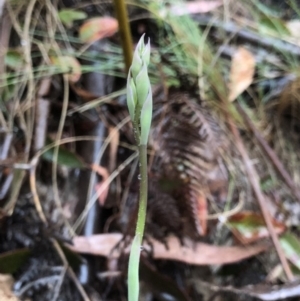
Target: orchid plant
139, 102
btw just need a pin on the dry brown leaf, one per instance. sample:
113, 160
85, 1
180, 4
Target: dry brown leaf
294, 28
194, 7
202, 212
205, 254
84, 94
42, 113
113, 148
69, 65
191, 253
102, 192
6, 283
241, 72
98, 28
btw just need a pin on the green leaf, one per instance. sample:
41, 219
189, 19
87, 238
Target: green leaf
72, 257
131, 96
136, 65
291, 247
146, 53
273, 26
266, 9
249, 226
14, 59
268, 184
64, 157
11, 261
68, 16
146, 118
142, 85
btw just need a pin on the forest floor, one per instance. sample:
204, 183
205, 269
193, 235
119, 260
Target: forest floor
223, 212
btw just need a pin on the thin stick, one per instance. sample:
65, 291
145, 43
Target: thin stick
42, 216
250, 36
125, 33
271, 154
253, 178
59, 133
73, 276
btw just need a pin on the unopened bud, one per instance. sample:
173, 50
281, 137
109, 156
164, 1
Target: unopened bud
139, 95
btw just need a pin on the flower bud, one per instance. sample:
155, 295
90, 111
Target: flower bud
141, 55
143, 85
146, 117
146, 53
139, 95
131, 96
136, 64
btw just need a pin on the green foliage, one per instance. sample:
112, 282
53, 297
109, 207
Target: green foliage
68, 16
64, 157
273, 26
14, 59
139, 101
291, 247
11, 261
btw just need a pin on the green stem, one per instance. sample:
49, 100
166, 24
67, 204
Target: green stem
141, 220
124, 29
136, 127
134, 257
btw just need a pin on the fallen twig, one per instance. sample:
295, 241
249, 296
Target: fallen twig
42, 216
5, 28
250, 36
254, 180
262, 292
271, 154
42, 113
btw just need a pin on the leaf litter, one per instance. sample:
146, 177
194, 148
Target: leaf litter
200, 188
190, 252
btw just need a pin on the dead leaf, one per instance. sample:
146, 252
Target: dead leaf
204, 254
68, 64
97, 28
101, 190
194, 7
202, 213
241, 73
294, 28
248, 226
191, 253
42, 113
113, 147
84, 94
6, 283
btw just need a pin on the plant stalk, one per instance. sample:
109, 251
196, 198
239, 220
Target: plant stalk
139, 102
141, 220
134, 257
125, 33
